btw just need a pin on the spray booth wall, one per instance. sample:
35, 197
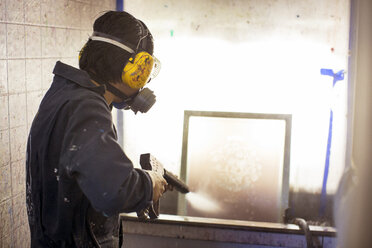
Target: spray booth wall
34, 34
248, 56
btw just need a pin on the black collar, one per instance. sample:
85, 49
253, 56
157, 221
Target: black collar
77, 76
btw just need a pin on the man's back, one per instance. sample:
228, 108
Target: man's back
76, 171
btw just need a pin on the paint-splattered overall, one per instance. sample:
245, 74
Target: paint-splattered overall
78, 177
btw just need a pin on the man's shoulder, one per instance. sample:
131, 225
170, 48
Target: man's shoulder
63, 91
69, 103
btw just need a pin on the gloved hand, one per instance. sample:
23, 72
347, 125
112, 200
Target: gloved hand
158, 183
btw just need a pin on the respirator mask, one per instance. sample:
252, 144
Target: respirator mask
137, 72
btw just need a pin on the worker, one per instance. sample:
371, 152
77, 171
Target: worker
78, 177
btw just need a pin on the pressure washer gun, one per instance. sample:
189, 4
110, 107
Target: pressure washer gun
149, 162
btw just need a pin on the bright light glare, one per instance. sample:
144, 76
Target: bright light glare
265, 76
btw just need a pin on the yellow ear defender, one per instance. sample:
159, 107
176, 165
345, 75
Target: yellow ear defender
140, 67
81, 51
137, 71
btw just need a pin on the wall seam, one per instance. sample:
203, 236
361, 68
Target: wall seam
10, 211
25, 43
41, 54
51, 57
40, 25
16, 194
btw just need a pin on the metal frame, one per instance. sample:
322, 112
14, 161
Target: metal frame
287, 145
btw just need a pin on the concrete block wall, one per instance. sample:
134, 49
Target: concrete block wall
34, 34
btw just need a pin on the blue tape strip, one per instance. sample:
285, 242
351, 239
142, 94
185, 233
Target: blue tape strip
323, 197
328, 72
120, 5
338, 76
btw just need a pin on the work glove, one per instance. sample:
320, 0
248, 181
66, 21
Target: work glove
158, 183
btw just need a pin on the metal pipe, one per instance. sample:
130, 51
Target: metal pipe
305, 227
120, 113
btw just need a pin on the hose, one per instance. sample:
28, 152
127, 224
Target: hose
289, 219
304, 227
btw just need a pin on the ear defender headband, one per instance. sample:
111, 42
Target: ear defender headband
141, 66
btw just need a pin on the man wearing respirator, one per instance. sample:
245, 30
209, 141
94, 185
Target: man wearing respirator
78, 177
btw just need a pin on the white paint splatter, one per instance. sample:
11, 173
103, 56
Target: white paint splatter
238, 160
73, 148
